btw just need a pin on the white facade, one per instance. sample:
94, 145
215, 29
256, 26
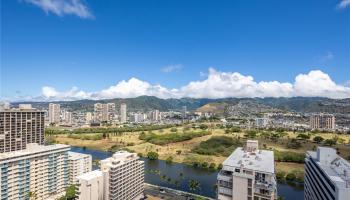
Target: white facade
42, 170
90, 186
121, 177
54, 113
327, 175
261, 122
248, 173
123, 113
79, 164
88, 117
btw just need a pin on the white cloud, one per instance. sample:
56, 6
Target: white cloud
217, 84
171, 68
63, 7
343, 4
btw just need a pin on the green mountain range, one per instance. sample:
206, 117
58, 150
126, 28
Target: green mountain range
219, 106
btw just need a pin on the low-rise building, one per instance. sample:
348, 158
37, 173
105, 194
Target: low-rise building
327, 175
90, 186
41, 170
248, 174
79, 164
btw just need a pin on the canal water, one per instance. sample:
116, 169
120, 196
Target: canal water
177, 176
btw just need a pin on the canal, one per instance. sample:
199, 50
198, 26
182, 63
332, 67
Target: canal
177, 176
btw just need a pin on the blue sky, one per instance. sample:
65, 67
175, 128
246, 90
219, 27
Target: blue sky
85, 49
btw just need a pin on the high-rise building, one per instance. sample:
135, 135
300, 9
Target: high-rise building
248, 173
261, 122
19, 127
41, 170
184, 112
121, 177
54, 113
4, 105
90, 186
88, 117
327, 175
155, 115
67, 118
79, 164
104, 112
123, 113
137, 117
322, 121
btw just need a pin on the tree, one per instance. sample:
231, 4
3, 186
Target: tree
303, 136
203, 126
70, 192
169, 160
193, 185
173, 130
32, 195
318, 139
330, 142
152, 155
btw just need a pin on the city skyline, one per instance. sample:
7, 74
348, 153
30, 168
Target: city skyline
89, 50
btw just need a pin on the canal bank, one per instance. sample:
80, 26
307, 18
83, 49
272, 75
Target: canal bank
186, 178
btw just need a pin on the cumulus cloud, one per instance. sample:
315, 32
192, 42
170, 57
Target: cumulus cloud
63, 7
217, 84
171, 68
343, 4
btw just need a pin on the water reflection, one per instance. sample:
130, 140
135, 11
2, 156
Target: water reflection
178, 176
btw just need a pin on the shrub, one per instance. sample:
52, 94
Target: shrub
173, 130
203, 126
217, 145
212, 166
251, 133
140, 154
205, 165
172, 137
291, 177
294, 144
318, 139
303, 136
178, 152
219, 166
288, 156
330, 142
169, 160
152, 155
280, 175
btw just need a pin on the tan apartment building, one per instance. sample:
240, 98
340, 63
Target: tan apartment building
19, 126
322, 121
79, 164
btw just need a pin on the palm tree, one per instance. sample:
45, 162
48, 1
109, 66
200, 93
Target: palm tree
193, 185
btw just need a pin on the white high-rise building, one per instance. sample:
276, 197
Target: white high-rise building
41, 170
122, 178
54, 113
248, 174
123, 113
90, 186
155, 115
67, 118
79, 164
327, 175
88, 117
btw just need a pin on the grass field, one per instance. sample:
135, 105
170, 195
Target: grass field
132, 142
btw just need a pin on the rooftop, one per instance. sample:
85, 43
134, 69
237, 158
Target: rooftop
335, 167
119, 158
90, 175
31, 149
75, 156
251, 159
